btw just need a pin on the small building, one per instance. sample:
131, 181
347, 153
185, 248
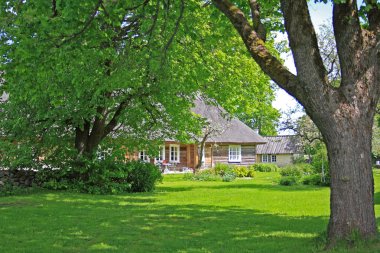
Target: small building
228, 141
280, 150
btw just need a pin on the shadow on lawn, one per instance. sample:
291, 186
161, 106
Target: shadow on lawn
236, 185
91, 224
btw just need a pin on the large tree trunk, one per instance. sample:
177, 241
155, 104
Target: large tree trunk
343, 114
352, 189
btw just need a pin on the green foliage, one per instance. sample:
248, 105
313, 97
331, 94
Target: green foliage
102, 177
288, 180
293, 173
203, 175
9, 189
376, 135
224, 172
240, 171
265, 167
222, 168
291, 170
320, 162
251, 172
314, 179
143, 176
302, 172
123, 62
229, 176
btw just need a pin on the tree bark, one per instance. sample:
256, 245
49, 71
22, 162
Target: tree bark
352, 190
344, 115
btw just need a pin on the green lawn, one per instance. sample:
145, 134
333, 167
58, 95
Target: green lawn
181, 216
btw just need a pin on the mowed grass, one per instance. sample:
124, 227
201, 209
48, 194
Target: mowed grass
180, 216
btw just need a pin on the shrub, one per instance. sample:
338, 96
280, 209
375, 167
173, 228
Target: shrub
203, 175
221, 168
288, 180
265, 167
314, 179
229, 176
142, 176
305, 168
102, 177
251, 172
291, 171
240, 171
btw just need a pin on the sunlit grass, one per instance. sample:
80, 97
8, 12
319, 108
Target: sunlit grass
181, 216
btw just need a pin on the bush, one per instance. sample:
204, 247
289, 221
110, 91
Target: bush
221, 168
265, 167
102, 177
229, 176
291, 171
288, 180
251, 172
142, 176
314, 179
203, 175
240, 171
306, 168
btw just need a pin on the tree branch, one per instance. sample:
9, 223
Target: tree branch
303, 41
176, 28
138, 6
113, 122
256, 47
348, 36
86, 25
54, 8
373, 15
256, 20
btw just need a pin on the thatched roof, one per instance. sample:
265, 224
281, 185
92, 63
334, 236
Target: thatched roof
226, 129
283, 144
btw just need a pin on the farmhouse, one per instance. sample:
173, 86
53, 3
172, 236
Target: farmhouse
280, 150
226, 140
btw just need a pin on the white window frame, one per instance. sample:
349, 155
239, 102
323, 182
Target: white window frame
161, 154
234, 153
143, 156
264, 158
273, 159
174, 153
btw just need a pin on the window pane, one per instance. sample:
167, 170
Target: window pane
234, 153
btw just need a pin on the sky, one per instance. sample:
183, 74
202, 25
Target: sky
320, 14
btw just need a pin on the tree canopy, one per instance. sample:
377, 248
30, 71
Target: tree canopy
79, 72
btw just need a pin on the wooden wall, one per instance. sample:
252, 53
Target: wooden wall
220, 155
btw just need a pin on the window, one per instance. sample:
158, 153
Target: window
161, 154
234, 153
143, 156
269, 158
174, 153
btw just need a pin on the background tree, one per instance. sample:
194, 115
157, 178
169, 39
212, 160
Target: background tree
82, 73
305, 129
344, 114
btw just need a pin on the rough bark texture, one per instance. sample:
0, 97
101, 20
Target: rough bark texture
345, 114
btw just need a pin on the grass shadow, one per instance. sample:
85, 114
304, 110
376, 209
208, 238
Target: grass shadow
107, 227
